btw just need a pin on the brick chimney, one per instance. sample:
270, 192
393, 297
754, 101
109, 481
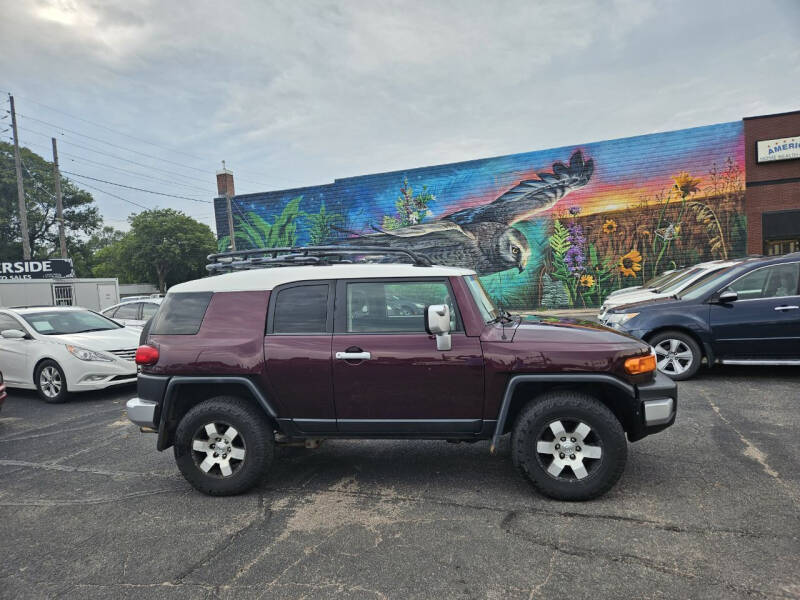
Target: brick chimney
225, 182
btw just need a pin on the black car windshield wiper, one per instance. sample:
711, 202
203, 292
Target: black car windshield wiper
95, 329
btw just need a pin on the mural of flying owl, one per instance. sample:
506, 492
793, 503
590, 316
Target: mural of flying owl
482, 237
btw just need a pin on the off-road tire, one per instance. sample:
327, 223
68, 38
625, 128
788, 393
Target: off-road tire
52, 367
570, 407
690, 343
251, 424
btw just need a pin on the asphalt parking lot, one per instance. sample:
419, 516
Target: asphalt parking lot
707, 509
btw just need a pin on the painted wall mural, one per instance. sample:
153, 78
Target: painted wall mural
552, 228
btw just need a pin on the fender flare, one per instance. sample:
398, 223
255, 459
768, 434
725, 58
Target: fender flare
179, 380
628, 389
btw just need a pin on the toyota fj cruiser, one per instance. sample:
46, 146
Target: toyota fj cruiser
299, 345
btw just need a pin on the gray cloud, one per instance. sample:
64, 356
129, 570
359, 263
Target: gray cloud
300, 93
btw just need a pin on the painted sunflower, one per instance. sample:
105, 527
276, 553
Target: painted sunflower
610, 226
630, 263
587, 281
685, 183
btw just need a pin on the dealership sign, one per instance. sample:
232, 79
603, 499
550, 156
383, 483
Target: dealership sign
36, 269
780, 149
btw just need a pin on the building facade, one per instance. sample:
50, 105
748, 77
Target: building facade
554, 228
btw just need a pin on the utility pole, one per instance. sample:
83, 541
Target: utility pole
59, 202
232, 234
23, 211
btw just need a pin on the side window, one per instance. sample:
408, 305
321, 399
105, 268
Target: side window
7, 322
128, 311
377, 307
769, 282
301, 309
181, 313
148, 310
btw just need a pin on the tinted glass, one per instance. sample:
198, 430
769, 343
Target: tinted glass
485, 304
770, 282
128, 311
678, 281
181, 314
148, 310
394, 307
301, 309
706, 286
72, 321
7, 322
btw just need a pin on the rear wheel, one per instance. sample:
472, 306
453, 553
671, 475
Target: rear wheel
50, 382
224, 446
569, 445
678, 355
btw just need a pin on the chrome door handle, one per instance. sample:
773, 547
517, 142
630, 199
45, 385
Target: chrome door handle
353, 355
787, 307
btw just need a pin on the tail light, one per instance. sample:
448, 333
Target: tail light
146, 355
640, 364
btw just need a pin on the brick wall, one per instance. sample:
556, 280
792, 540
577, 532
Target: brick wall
771, 186
560, 227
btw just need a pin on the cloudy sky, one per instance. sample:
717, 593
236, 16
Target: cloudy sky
154, 94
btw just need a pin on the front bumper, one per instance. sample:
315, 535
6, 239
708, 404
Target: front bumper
83, 376
658, 406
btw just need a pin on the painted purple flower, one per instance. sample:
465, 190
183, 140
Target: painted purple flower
574, 210
574, 258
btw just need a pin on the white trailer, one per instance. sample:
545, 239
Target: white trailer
94, 294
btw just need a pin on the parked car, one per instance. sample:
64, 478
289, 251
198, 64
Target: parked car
652, 283
3, 394
57, 350
666, 290
747, 314
237, 363
134, 313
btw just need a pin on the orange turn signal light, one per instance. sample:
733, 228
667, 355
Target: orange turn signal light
640, 364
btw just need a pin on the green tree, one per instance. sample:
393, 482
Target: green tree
163, 247
81, 216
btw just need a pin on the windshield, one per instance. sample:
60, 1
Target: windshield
489, 311
677, 281
60, 322
662, 279
704, 285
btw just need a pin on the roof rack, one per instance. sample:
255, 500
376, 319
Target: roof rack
260, 258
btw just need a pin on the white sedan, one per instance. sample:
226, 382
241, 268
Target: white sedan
133, 312
57, 350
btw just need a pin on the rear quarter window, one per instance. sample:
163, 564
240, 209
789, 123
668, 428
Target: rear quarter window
181, 314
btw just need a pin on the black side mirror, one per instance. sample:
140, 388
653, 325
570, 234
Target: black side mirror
727, 296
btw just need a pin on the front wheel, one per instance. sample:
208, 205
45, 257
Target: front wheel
50, 382
678, 355
224, 446
569, 445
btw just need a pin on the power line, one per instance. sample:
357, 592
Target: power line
115, 196
245, 179
107, 128
130, 187
104, 153
75, 158
62, 129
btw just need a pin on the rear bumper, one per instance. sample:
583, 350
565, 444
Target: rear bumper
142, 412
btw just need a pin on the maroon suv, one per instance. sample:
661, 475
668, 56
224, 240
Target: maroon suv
236, 363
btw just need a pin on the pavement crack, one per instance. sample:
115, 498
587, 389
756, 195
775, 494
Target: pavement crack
262, 515
755, 453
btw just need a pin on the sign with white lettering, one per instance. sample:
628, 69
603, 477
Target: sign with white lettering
36, 269
780, 149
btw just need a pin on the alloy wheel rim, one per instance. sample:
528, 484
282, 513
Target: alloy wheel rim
218, 449
569, 455
673, 357
50, 382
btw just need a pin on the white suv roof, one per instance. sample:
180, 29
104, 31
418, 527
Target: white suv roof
269, 278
